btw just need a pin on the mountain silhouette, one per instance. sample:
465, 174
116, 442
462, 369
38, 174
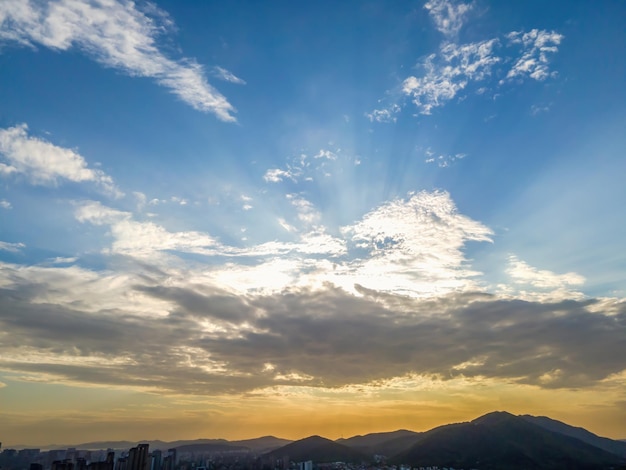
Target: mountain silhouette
615, 447
382, 443
319, 450
500, 440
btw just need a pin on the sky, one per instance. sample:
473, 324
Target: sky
233, 219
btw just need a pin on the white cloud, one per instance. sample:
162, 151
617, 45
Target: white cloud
141, 199
536, 47
142, 239
307, 213
533, 284
536, 109
414, 246
384, 114
448, 16
116, 34
45, 163
5, 204
179, 200
224, 74
444, 161
12, 247
276, 175
522, 273
327, 154
411, 246
449, 72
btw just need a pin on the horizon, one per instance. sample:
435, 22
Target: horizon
47, 447
333, 218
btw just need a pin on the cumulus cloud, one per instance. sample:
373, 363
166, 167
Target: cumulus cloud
415, 245
45, 163
116, 34
448, 16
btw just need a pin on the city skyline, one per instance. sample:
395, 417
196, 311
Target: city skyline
227, 219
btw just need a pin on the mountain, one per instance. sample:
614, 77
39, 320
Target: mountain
501, 440
382, 443
206, 448
263, 444
610, 445
319, 450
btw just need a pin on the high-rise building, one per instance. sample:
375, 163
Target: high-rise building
138, 458
155, 463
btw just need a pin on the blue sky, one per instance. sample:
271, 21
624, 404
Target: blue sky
205, 164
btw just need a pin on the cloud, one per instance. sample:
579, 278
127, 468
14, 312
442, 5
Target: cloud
449, 72
44, 163
142, 239
117, 35
4, 204
523, 273
306, 167
536, 109
532, 283
307, 213
12, 247
276, 175
414, 246
448, 16
536, 46
443, 161
200, 339
225, 75
385, 114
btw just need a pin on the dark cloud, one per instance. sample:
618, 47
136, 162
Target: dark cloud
318, 338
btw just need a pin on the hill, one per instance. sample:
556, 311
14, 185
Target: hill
263, 444
382, 443
319, 450
610, 445
501, 440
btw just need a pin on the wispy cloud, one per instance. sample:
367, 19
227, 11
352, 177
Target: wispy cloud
12, 247
305, 167
228, 76
444, 161
44, 163
4, 204
117, 34
448, 16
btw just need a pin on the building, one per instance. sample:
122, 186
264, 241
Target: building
138, 458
